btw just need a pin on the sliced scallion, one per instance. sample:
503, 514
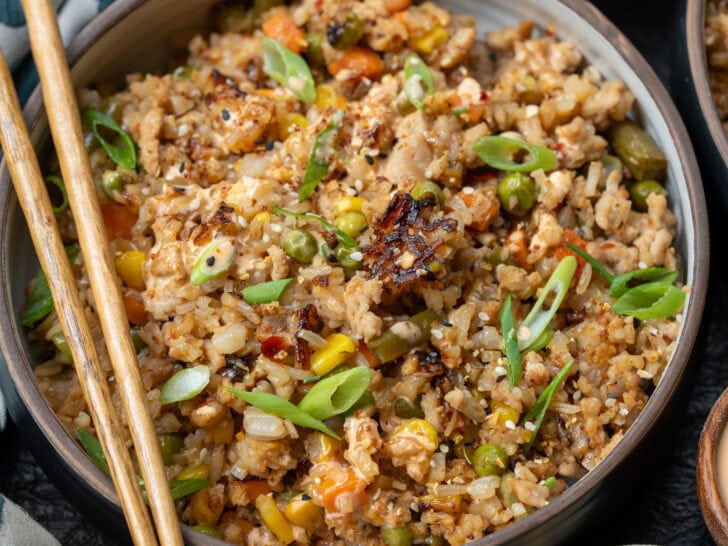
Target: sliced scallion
321, 156
280, 407
538, 410
289, 69
337, 393
122, 152
40, 301
509, 154
418, 83
650, 301
342, 237
510, 341
61, 203
185, 384
214, 261
265, 292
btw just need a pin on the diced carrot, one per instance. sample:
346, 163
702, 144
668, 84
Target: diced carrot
563, 251
118, 220
393, 6
135, 311
484, 206
361, 61
332, 489
516, 245
281, 28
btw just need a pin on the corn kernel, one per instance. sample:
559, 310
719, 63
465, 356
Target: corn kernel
273, 518
205, 509
302, 511
129, 267
239, 436
422, 429
321, 447
348, 204
338, 349
197, 472
441, 503
326, 96
286, 121
262, 217
505, 413
429, 41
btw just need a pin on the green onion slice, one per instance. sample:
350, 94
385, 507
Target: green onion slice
538, 319
592, 261
185, 384
40, 301
265, 292
57, 182
342, 237
510, 341
544, 339
182, 488
214, 261
459, 111
506, 154
289, 69
280, 407
620, 284
336, 394
418, 83
321, 156
538, 410
650, 301
122, 153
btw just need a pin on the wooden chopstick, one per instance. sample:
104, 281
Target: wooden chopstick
63, 117
36, 205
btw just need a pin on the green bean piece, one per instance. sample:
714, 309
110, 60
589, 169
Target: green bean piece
280, 407
405, 409
265, 292
336, 394
352, 223
300, 245
348, 257
57, 193
341, 237
538, 319
40, 302
509, 154
136, 337
538, 410
517, 193
346, 35
209, 531
289, 69
121, 150
490, 460
324, 149
391, 345
424, 320
418, 84
92, 447
61, 344
183, 73
506, 495
214, 261
510, 342
428, 191
388, 347
397, 536
638, 151
650, 301
640, 191
170, 445
315, 50
185, 384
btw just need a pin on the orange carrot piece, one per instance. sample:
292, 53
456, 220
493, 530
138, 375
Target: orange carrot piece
331, 489
563, 251
135, 311
281, 28
118, 220
361, 61
394, 6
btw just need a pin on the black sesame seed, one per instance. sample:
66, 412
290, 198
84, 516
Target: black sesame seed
269, 145
500, 378
369, 159
612, 395
363, 229
259, 141
305, 497
225, 114
470, 442
179, 189
445, 323
182, 167
210, 261
332, 258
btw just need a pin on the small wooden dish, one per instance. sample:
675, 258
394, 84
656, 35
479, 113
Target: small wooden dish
711, 503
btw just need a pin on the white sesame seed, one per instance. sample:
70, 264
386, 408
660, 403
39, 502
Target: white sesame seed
642, 265
265, 238
529, 425
531, 110
356, 256
428, 174
644, 374
484, 316
577, 396
609, 402
653, 331
510, 425
468, 190
359, 185
437, 334
623, 412
500, 370
276, 227
351, 191
444, 448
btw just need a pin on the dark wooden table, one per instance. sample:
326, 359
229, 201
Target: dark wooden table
664, 508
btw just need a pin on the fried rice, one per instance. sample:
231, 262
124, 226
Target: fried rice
220, 144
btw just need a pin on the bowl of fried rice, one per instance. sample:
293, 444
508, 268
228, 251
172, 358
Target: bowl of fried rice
397, 273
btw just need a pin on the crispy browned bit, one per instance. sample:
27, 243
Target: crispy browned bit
321, 281
221, 80
306, 319
430, 362
221, 222
406, 239
575, 316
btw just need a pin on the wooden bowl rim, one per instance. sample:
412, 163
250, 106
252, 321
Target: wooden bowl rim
712, 504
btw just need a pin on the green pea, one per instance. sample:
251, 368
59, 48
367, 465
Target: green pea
517, 193
61, 344
343, 36
348, 257
641, 190
300, 245
635, 147
490, 460
315, 51
428, 191
183, 73
170, 445
397, 536
352, 223
209, 531
405, 409
139, 343
112, 182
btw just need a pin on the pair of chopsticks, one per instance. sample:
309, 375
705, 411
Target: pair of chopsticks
67, 134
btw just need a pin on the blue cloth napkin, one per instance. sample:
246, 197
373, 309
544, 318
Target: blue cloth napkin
16, 526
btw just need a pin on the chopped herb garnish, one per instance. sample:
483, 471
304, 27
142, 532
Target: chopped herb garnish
321, 156
312, 379
40, 301
337, 393
505, 154
265, 292
418, 83
121, 151
289, 69
185, 384
459, 111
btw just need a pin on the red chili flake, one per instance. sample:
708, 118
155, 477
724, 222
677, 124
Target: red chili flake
559, 149
271, 346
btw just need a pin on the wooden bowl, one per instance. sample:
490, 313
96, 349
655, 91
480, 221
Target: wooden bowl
713, 454
131, 36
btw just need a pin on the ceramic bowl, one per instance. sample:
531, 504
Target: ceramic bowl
712, 466
132, 35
